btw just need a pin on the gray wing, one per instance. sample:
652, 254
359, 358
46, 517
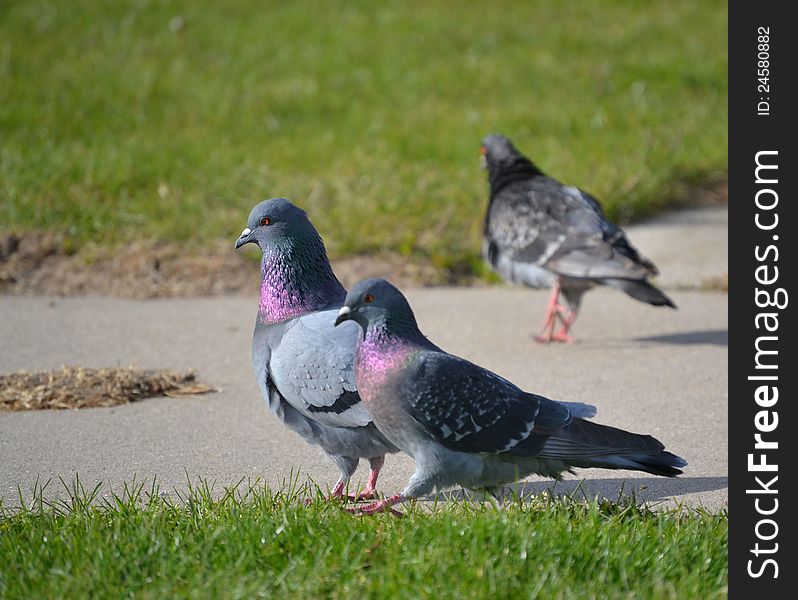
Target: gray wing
616, 237
470, 409
563, 229
312, 367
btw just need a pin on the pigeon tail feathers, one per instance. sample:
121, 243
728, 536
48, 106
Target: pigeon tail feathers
641, 290
586, 444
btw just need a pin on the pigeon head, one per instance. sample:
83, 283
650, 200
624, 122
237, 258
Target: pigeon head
497, 150
296, 276
273, 221
504, 162
376, 302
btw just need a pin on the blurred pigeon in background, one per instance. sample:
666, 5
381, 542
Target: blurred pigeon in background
303, 364
542, 233
464, 425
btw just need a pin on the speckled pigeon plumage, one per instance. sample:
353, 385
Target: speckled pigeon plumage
465, 425
303, 364
541, 233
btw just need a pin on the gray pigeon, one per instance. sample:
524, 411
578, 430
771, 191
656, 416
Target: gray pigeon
464, 425
303, 365
542, 233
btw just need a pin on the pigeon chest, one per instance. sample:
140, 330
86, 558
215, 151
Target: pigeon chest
379, 381
377, 368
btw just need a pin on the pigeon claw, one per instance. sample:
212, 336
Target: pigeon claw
361, 497
380, 506
330, 498
562, 337
365, 495
342, 498
549, 337
338, 495
364, 511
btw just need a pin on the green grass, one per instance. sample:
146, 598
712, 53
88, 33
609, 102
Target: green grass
265, 544
169, 119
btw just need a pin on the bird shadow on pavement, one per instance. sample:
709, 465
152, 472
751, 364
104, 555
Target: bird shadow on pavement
718, 337
639, 489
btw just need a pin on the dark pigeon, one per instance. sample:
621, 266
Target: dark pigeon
303, 365
542, 233
465, 425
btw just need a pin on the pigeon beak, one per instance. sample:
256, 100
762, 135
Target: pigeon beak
343, 315
244, 238
483, 161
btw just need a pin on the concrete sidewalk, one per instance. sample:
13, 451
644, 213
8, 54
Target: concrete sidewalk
648, 370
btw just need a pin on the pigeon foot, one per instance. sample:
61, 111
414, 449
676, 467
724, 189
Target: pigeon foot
337, 494
378, 507
363, 496
366, 494
562, 338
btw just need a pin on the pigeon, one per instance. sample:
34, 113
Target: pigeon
303, 365
464, 425
542, 233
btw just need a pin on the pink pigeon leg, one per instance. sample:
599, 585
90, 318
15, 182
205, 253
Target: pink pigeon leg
567, 321
379, 506
369, 493
551, 315
337, 493
371, 485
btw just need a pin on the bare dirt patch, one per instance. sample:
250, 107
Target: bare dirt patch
41, 263
76, 387
711, 188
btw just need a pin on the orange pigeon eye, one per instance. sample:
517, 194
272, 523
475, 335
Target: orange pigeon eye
483, 151
368, 298
265, 221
